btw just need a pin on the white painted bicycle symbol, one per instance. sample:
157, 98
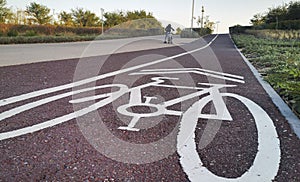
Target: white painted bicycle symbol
265, 165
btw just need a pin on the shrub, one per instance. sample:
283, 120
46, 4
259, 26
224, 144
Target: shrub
239, 29
275, 34
50, 29
12, 33
283, 25
30, 33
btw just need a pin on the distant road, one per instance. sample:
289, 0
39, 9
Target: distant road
32, 53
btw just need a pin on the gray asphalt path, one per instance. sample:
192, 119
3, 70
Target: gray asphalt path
32, 53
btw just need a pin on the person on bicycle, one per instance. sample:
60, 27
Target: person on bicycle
168, 30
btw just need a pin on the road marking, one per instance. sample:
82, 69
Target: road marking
267, 160
22, 97
199, 71
62, 119
265, 165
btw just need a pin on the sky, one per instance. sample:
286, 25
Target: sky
176, 12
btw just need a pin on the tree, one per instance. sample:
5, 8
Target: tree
39, 13
146, 20
134, 15
5, 13
208, 24
78, 16
293, 12
114, 18
91, 19
258, 19
178, 31
84, 18
276, 14
66, 18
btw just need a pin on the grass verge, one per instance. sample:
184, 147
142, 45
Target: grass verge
278, 61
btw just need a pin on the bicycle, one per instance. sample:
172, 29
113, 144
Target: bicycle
169, 38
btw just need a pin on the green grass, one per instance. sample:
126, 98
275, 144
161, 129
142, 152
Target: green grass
278, 60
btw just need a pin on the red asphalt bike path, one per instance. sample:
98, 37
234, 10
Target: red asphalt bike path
78, 149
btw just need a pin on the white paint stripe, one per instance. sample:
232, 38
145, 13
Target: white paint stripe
196, 72
70, 116
17, 110
89, 80
180, 87
197, 69
62, 119
266, 162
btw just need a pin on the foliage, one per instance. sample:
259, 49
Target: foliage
132, 24
275, 34
258, 19
178, 31
84, 18
66, 18
203, 31
5, 13
293, 11
50, 29
39, 13
51, 33
119, 17
278, 60
276, 14
283, 17
283, 25
35, 22
208, 24
30, 33
55, 39
12, 33
135, 15
114, 18
43, 39
237, 29
139, 27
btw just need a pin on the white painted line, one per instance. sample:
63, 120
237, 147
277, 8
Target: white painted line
93, 79
266, 162
62, 119
214, 74
197, 69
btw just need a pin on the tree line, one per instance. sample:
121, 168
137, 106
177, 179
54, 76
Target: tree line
39, 14
286, 12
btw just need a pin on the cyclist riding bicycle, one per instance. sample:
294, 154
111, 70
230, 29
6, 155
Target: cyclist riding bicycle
168, 30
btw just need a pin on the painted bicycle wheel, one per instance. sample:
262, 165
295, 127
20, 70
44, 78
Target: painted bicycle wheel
266, 163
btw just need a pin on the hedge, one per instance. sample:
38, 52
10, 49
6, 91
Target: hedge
48, 29
282, 25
